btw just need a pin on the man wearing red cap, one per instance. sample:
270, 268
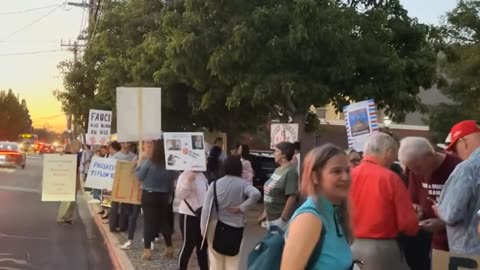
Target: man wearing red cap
460, 197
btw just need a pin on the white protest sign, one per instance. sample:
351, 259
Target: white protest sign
99, 127
360, 122
139, 114
185, 151
101, 173
59, 178
283, 133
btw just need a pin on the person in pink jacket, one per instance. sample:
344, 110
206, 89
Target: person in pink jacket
247, 170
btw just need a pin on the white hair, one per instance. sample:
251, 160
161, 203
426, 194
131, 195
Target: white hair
414, 148
379, 144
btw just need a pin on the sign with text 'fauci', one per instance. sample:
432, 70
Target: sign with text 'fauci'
185, 151
442, 260
59, 178
126, 187
360, 122
139, 114
283, 133
99, 127
101, 173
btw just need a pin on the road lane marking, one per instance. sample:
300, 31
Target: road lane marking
20, 189
2, 235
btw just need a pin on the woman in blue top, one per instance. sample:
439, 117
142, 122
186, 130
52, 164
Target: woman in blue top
321, 223
157, 193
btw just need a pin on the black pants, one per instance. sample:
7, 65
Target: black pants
156, 209
192, 239
417, 250
118, 218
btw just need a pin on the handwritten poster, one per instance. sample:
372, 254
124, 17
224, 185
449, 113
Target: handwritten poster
283, 133
101, 173
99, 127
139, 114
126, 187
59, 178
442, 260
185, 151
360, 122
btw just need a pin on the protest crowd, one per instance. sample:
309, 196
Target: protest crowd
393, 205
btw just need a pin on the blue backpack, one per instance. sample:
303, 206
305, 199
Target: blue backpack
267, 254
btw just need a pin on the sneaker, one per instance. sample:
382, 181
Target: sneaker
126, 246
152, 246
93, 201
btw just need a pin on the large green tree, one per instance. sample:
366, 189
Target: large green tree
14, 116
233, 65
460, 66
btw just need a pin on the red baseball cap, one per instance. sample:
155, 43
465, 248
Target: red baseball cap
462, 129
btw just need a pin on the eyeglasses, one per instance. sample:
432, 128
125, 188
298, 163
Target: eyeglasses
355, 160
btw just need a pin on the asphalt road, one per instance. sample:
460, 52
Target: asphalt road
29, 236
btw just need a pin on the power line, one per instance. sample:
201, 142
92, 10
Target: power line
30, 24
30, 53
28, 10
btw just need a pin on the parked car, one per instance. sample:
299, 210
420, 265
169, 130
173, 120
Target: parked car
11, 155
263, 164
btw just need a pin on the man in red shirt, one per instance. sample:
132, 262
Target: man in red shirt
381, 207
427, 172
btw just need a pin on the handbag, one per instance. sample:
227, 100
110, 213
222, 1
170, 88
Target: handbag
227, 239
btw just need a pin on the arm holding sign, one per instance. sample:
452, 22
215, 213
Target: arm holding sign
142, 170
185, 185
452, 207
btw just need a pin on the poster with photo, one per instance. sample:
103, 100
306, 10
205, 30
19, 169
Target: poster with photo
360, 122
185, 151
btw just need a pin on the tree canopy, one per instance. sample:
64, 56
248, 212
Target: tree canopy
460, 66
14, 116
233, 65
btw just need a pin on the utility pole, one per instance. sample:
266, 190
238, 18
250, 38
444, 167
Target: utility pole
92, 5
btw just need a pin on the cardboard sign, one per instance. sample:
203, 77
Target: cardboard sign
126, 187
442, 260
139, 114
283, 133
360, 122
101, 173
185, 151
59, 178
99, 127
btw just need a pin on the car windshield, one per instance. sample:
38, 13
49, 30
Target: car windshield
8, 146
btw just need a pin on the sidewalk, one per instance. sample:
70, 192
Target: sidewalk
131, 259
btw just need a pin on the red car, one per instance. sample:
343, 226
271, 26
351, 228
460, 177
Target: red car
45, 148
11, 155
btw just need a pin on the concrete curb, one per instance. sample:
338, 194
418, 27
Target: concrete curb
119, 257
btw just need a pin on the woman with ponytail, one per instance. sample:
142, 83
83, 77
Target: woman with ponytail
319, 233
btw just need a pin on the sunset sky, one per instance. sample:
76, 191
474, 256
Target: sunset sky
35, 76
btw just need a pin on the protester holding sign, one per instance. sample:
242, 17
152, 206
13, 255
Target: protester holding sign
460, 199
191, 190
427, 172
157, 193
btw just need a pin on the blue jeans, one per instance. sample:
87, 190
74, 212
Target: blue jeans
133, 211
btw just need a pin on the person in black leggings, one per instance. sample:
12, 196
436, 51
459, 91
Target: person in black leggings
157, 186
191, 190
